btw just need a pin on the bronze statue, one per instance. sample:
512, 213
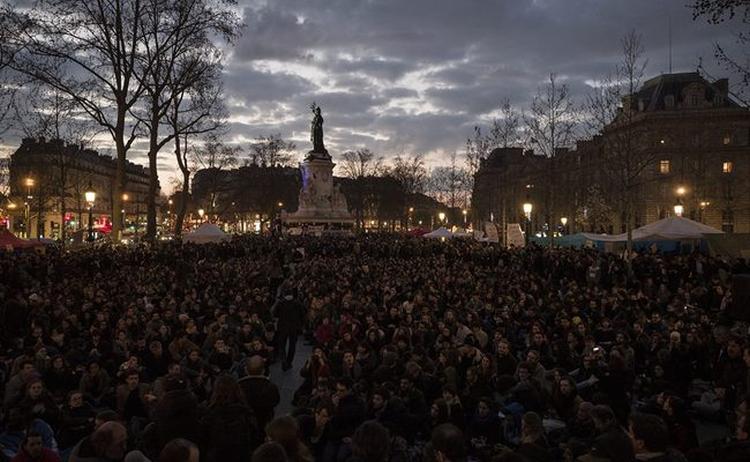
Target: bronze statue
316, 131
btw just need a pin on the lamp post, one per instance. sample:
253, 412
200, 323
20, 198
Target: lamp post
703, 205
201, 212
29, 182
441, 217
564, 222
679, 209
464, 212
527, 208
11, 206
90, 196
408, 221
125, 198
169, 215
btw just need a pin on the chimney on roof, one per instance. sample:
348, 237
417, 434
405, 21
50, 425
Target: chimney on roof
722, 85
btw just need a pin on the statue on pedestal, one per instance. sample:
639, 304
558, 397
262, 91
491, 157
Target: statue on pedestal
316, 135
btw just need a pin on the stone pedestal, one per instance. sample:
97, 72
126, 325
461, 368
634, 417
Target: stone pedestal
320, 202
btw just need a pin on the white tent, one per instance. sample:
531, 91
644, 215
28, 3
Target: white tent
440, 233
667, 229
207, 232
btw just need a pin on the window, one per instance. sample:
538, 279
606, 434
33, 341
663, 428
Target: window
665, 166
727, 139
727, 167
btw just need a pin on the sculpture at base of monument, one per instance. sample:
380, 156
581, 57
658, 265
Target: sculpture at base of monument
316, 135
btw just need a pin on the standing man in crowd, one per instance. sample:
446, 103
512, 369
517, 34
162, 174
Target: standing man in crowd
291, 318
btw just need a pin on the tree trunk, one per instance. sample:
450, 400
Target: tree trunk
116, 235
153, 178
180, 219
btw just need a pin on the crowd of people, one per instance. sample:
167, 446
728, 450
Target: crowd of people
421, 350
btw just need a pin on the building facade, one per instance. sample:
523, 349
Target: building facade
48, 182
686, 148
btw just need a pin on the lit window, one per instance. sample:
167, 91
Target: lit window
727, 167
665, 167
727, 139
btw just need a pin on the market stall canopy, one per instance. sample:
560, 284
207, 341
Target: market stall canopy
206, 233
9, 241
667, 229
439, 233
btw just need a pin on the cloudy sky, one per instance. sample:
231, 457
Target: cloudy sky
403, 76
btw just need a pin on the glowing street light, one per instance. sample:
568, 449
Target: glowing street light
201, 212
564, 221
679, 209
90, 196
441, 216
527, 208
464, 212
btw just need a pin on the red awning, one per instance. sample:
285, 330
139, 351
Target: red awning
9, 241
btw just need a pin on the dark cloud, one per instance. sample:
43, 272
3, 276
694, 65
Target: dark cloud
417, 75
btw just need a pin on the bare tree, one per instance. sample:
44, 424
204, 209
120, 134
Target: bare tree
450, 184
11, 27
551, 123
611, 111
477, 149
196, 110
213, 158
504, 131
272, 151
410, 172
723, 11
90, 51
177, 36
594, 214
48, 113
361, 163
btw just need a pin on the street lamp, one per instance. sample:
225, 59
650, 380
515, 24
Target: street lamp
564, 222
90, 196
441, 216
527, 208
125, 198
464, 212
703, 205
679, 209
29, 182
201, 212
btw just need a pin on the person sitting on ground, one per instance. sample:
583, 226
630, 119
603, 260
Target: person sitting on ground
270, 452
105, 444
180, 450
33, 450
447, 443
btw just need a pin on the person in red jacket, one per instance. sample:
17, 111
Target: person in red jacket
33, 451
